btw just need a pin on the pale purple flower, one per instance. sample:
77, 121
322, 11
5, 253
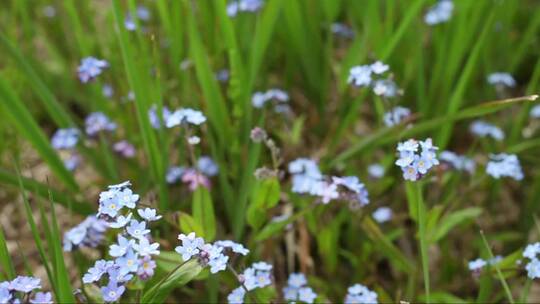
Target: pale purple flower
342, 30
195, 179
95, 273
504, 165
439, 13
359, 293
501, 79
121, 221
127, 263
124, 148
89, 233
395, 116
382, 214
155, 120
190, 245
237, 296
185, 116
146, 268
481, 128
306, 294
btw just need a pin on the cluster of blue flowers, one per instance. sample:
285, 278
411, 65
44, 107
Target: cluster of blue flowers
308, 179
90, 68
359, 293
259, 275
439, 13
19, 290
481, 128
97, 122
395, 116
279, 98
89, 233
371, 75
477, 265
238, 6
182, 116
458, 162
297, 289
414, 163
212, 255
501, 165
501, 79
132, 254
533, 266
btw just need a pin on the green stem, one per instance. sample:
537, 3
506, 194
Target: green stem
525, 293
421, 208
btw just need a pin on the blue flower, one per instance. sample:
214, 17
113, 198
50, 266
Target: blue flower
174, 174
65, 138
237, 296
137, 229
155, 120
97, 122
501, 79
121, 221
112, 292
439, 13
481, 128
236, 6
89, 233
110, 208
5, 293
25, 284
359, 293
360, 76
306, 294
257, 276
148, 214
207, 166
217, 260
119, 275
144, 248
90, 68
190, 245
342, 30
297, 280
127, 198
458, 162
504, 165
95, 273
415, 165
395, 116
382, 214
185, 116
118, 250
235, 247
127, 263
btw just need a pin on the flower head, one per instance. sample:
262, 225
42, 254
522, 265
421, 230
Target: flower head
97, 122
137, 229
25, 284
90, 68
359, 293
413, 164
501, 79
148, 214
439, 13
65, 138
112, 292
504, 165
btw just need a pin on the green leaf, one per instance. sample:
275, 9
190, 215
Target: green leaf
454, 219
179, 276
188, 224
203, 212
28, 127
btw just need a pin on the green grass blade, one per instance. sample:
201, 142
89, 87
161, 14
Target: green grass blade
464, 80
65, 291
507, 291
36, 234
28, 127
55, 110
7, 270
